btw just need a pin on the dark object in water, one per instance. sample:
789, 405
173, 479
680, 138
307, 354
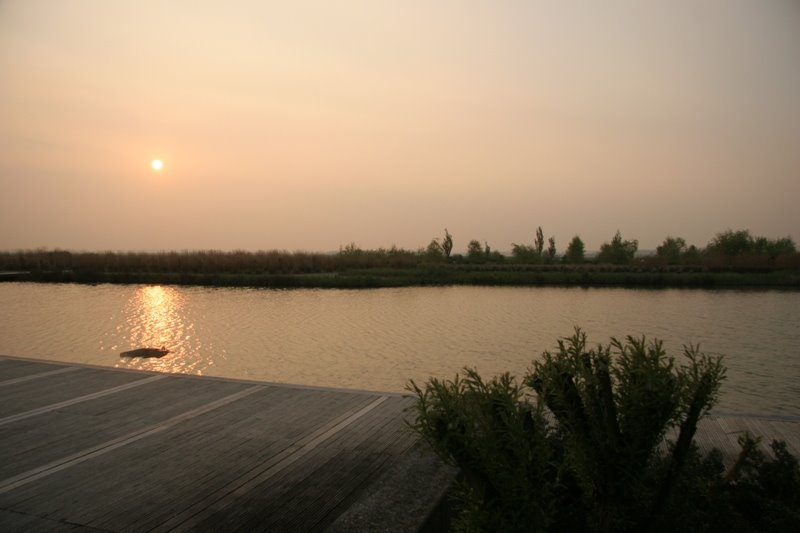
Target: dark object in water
145, 352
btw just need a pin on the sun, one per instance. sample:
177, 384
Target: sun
157, 164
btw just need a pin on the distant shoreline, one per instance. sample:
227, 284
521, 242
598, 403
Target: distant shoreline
440, 275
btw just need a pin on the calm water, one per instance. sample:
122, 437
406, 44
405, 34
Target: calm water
378, 339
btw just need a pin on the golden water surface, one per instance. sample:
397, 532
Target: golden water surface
379, 339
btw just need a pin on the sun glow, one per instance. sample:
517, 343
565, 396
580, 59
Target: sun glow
156, 164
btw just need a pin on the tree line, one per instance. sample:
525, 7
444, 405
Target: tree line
738, 249
727, 247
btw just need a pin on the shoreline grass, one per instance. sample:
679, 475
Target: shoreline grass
434, 275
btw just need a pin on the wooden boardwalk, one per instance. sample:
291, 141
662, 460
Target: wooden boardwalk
117, 450
88, 448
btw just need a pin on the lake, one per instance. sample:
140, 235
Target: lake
377, 339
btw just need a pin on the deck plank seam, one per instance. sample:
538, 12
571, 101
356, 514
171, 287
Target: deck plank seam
203, 507
291, 495
84, 455
282, 450
303, 503
40, 375
379, 465
53, 520
79, 399
364, 467
336, 446
222, 498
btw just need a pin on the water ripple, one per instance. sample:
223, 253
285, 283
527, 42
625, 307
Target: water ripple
378, 339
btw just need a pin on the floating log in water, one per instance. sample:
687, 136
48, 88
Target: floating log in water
145, 352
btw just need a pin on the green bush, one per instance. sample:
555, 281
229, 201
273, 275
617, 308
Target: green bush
579, 446
500, 443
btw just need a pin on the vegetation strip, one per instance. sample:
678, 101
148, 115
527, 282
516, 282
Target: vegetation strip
66, 403
111, 445
23, 379
444, 275
731, 259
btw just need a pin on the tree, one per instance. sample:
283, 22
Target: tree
672, 249
474, 250
447, 244
492, 256
784, 246
759, 246
618, 252
773, 247
691, 255
551, 249
351, 249
539, 243
731, 243
575, 252
434, 251
524, 253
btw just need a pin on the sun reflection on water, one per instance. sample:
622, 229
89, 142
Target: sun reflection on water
156, 317
159, 320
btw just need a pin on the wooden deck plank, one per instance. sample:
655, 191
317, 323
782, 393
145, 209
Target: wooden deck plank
78, 399
786, 431
306, 507
179, 452
733, 427
39, 375
368, 471
402, 498
188, 453
157, 464
332, 476
383, 429
780, 430
109, 446
383, 433
86, 487
227, 496
101, 524
715, 434
12, 522
16, 368
29, 442
313, 503
22, 397
358, 459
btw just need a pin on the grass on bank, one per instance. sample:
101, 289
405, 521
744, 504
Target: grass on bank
393, 267
431, 275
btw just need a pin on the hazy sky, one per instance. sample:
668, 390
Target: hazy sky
308, 125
